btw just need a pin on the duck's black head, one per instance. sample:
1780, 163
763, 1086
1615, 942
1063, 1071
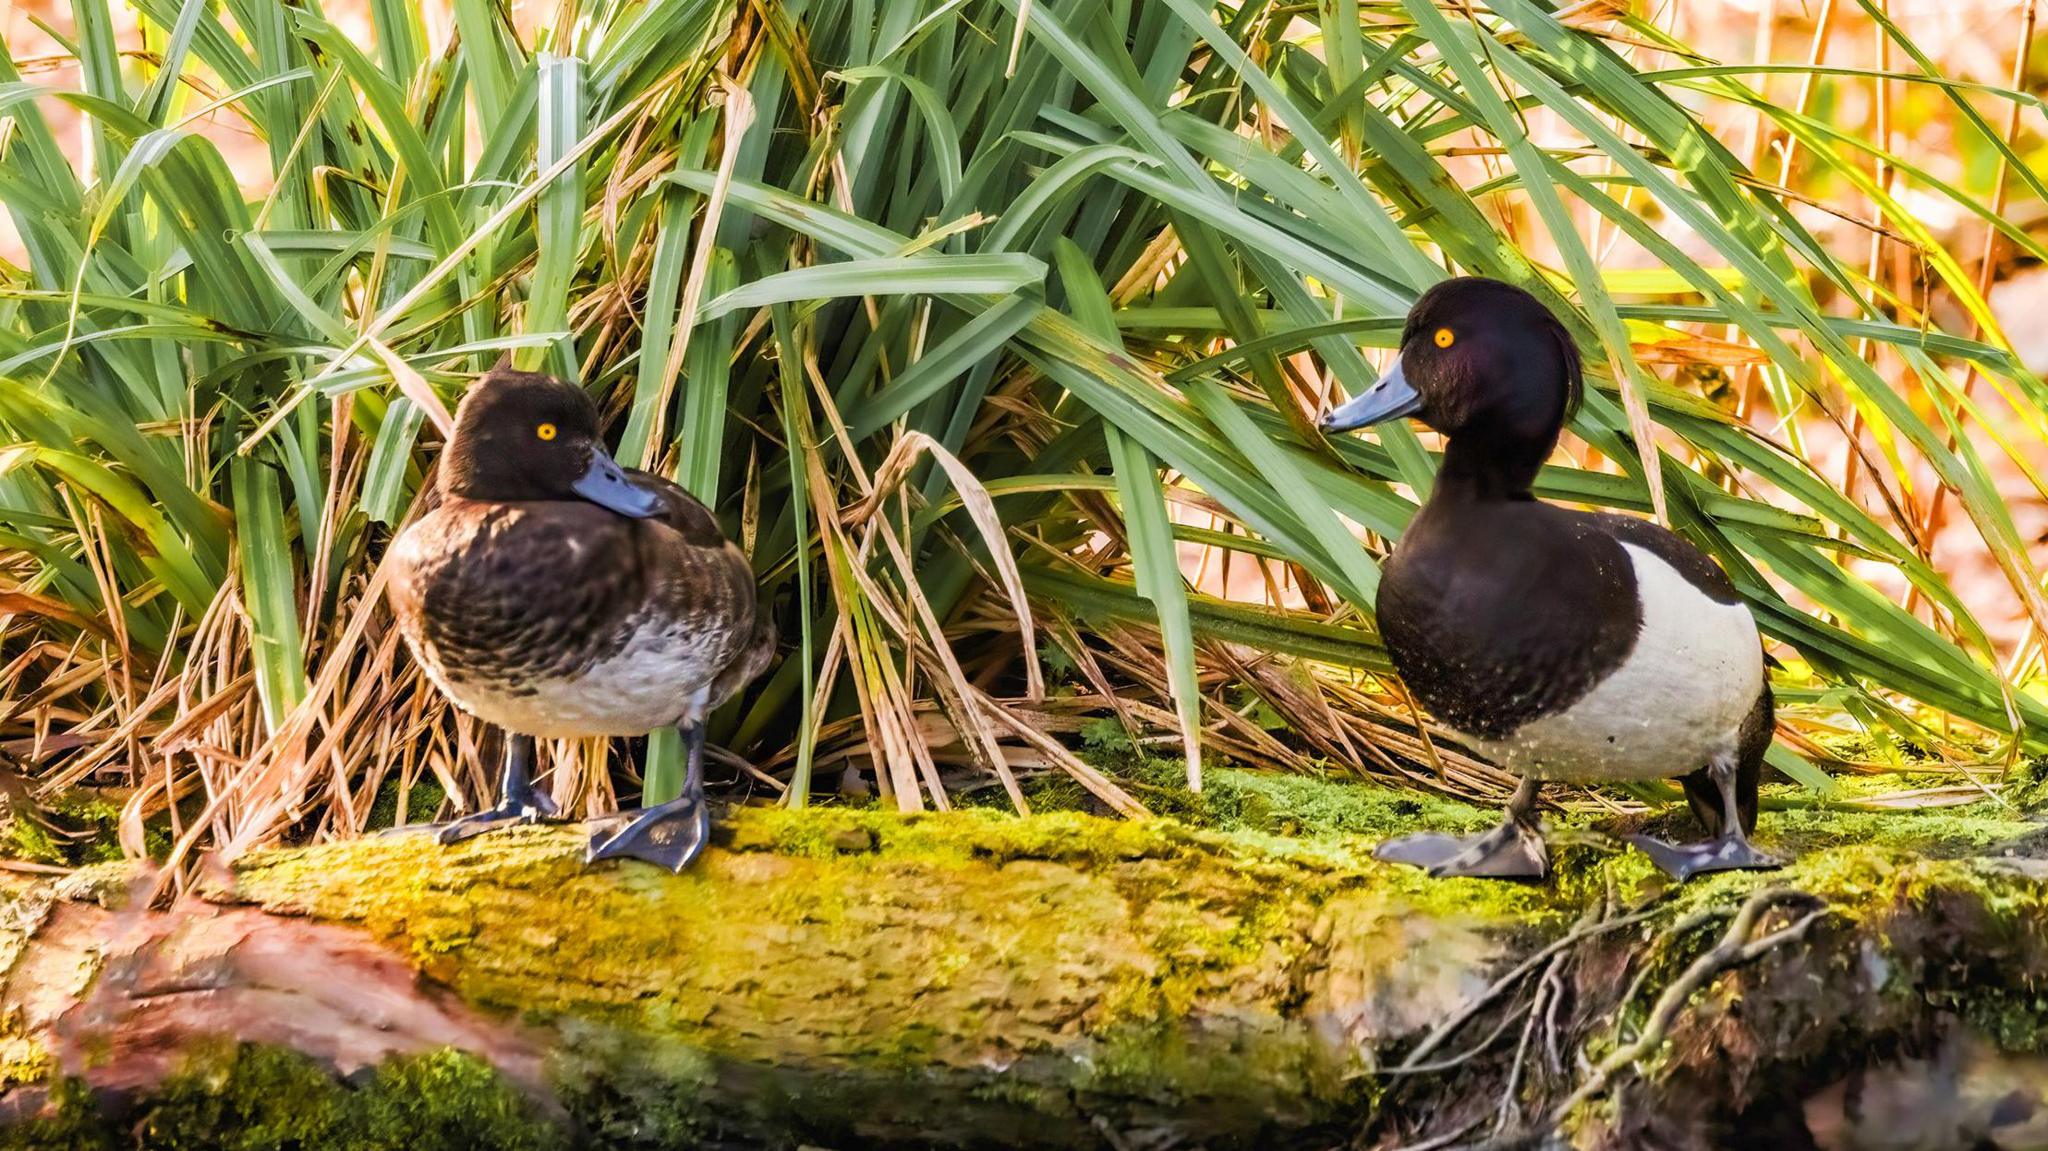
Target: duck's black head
1477, 356
522, 436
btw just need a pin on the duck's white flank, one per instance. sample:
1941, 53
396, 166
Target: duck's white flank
658, 679
1676, 702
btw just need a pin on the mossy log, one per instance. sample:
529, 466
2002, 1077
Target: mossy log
852, 978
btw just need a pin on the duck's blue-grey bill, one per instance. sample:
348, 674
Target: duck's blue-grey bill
606, 484
1390, 399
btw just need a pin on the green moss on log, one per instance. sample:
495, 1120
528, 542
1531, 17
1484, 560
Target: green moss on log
1061, 959
248, 1098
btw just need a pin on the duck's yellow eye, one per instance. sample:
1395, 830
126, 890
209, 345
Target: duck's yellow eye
545, 431
1445, 337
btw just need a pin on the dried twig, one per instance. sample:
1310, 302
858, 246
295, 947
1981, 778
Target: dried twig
1735, 949
1586, 929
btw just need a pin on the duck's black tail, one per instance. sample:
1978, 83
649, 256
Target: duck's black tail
1754, 741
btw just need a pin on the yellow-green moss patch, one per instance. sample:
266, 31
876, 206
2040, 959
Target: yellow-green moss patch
246, 1098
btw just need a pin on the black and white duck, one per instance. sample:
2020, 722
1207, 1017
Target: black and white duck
1561, 644
556, 594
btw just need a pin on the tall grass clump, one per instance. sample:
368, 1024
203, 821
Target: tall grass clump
996, 331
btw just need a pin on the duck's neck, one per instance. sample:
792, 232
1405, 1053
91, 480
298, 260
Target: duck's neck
1480, 468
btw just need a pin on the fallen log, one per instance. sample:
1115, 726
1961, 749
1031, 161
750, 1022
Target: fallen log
855, 978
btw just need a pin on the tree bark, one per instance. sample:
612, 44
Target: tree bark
863, 979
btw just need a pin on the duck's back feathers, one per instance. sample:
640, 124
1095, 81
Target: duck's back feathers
1688, 561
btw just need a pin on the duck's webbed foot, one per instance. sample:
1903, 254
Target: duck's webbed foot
669, 835
1728, 850
1514, 850
518, 802
524, 806
1509, 851
1682, 861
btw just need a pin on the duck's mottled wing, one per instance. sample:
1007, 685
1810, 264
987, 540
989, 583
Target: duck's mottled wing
1695, 565
753, 659
701, 576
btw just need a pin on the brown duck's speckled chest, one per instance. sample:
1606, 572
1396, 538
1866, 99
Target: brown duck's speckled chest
562, 619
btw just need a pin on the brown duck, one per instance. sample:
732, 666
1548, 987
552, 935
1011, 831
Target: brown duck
556, 594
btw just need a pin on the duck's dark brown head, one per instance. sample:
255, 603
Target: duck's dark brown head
1478, 357
523, 436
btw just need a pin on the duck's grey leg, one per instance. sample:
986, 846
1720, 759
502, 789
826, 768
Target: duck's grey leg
671, 834
1514, 850
517, 802
1728, 850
